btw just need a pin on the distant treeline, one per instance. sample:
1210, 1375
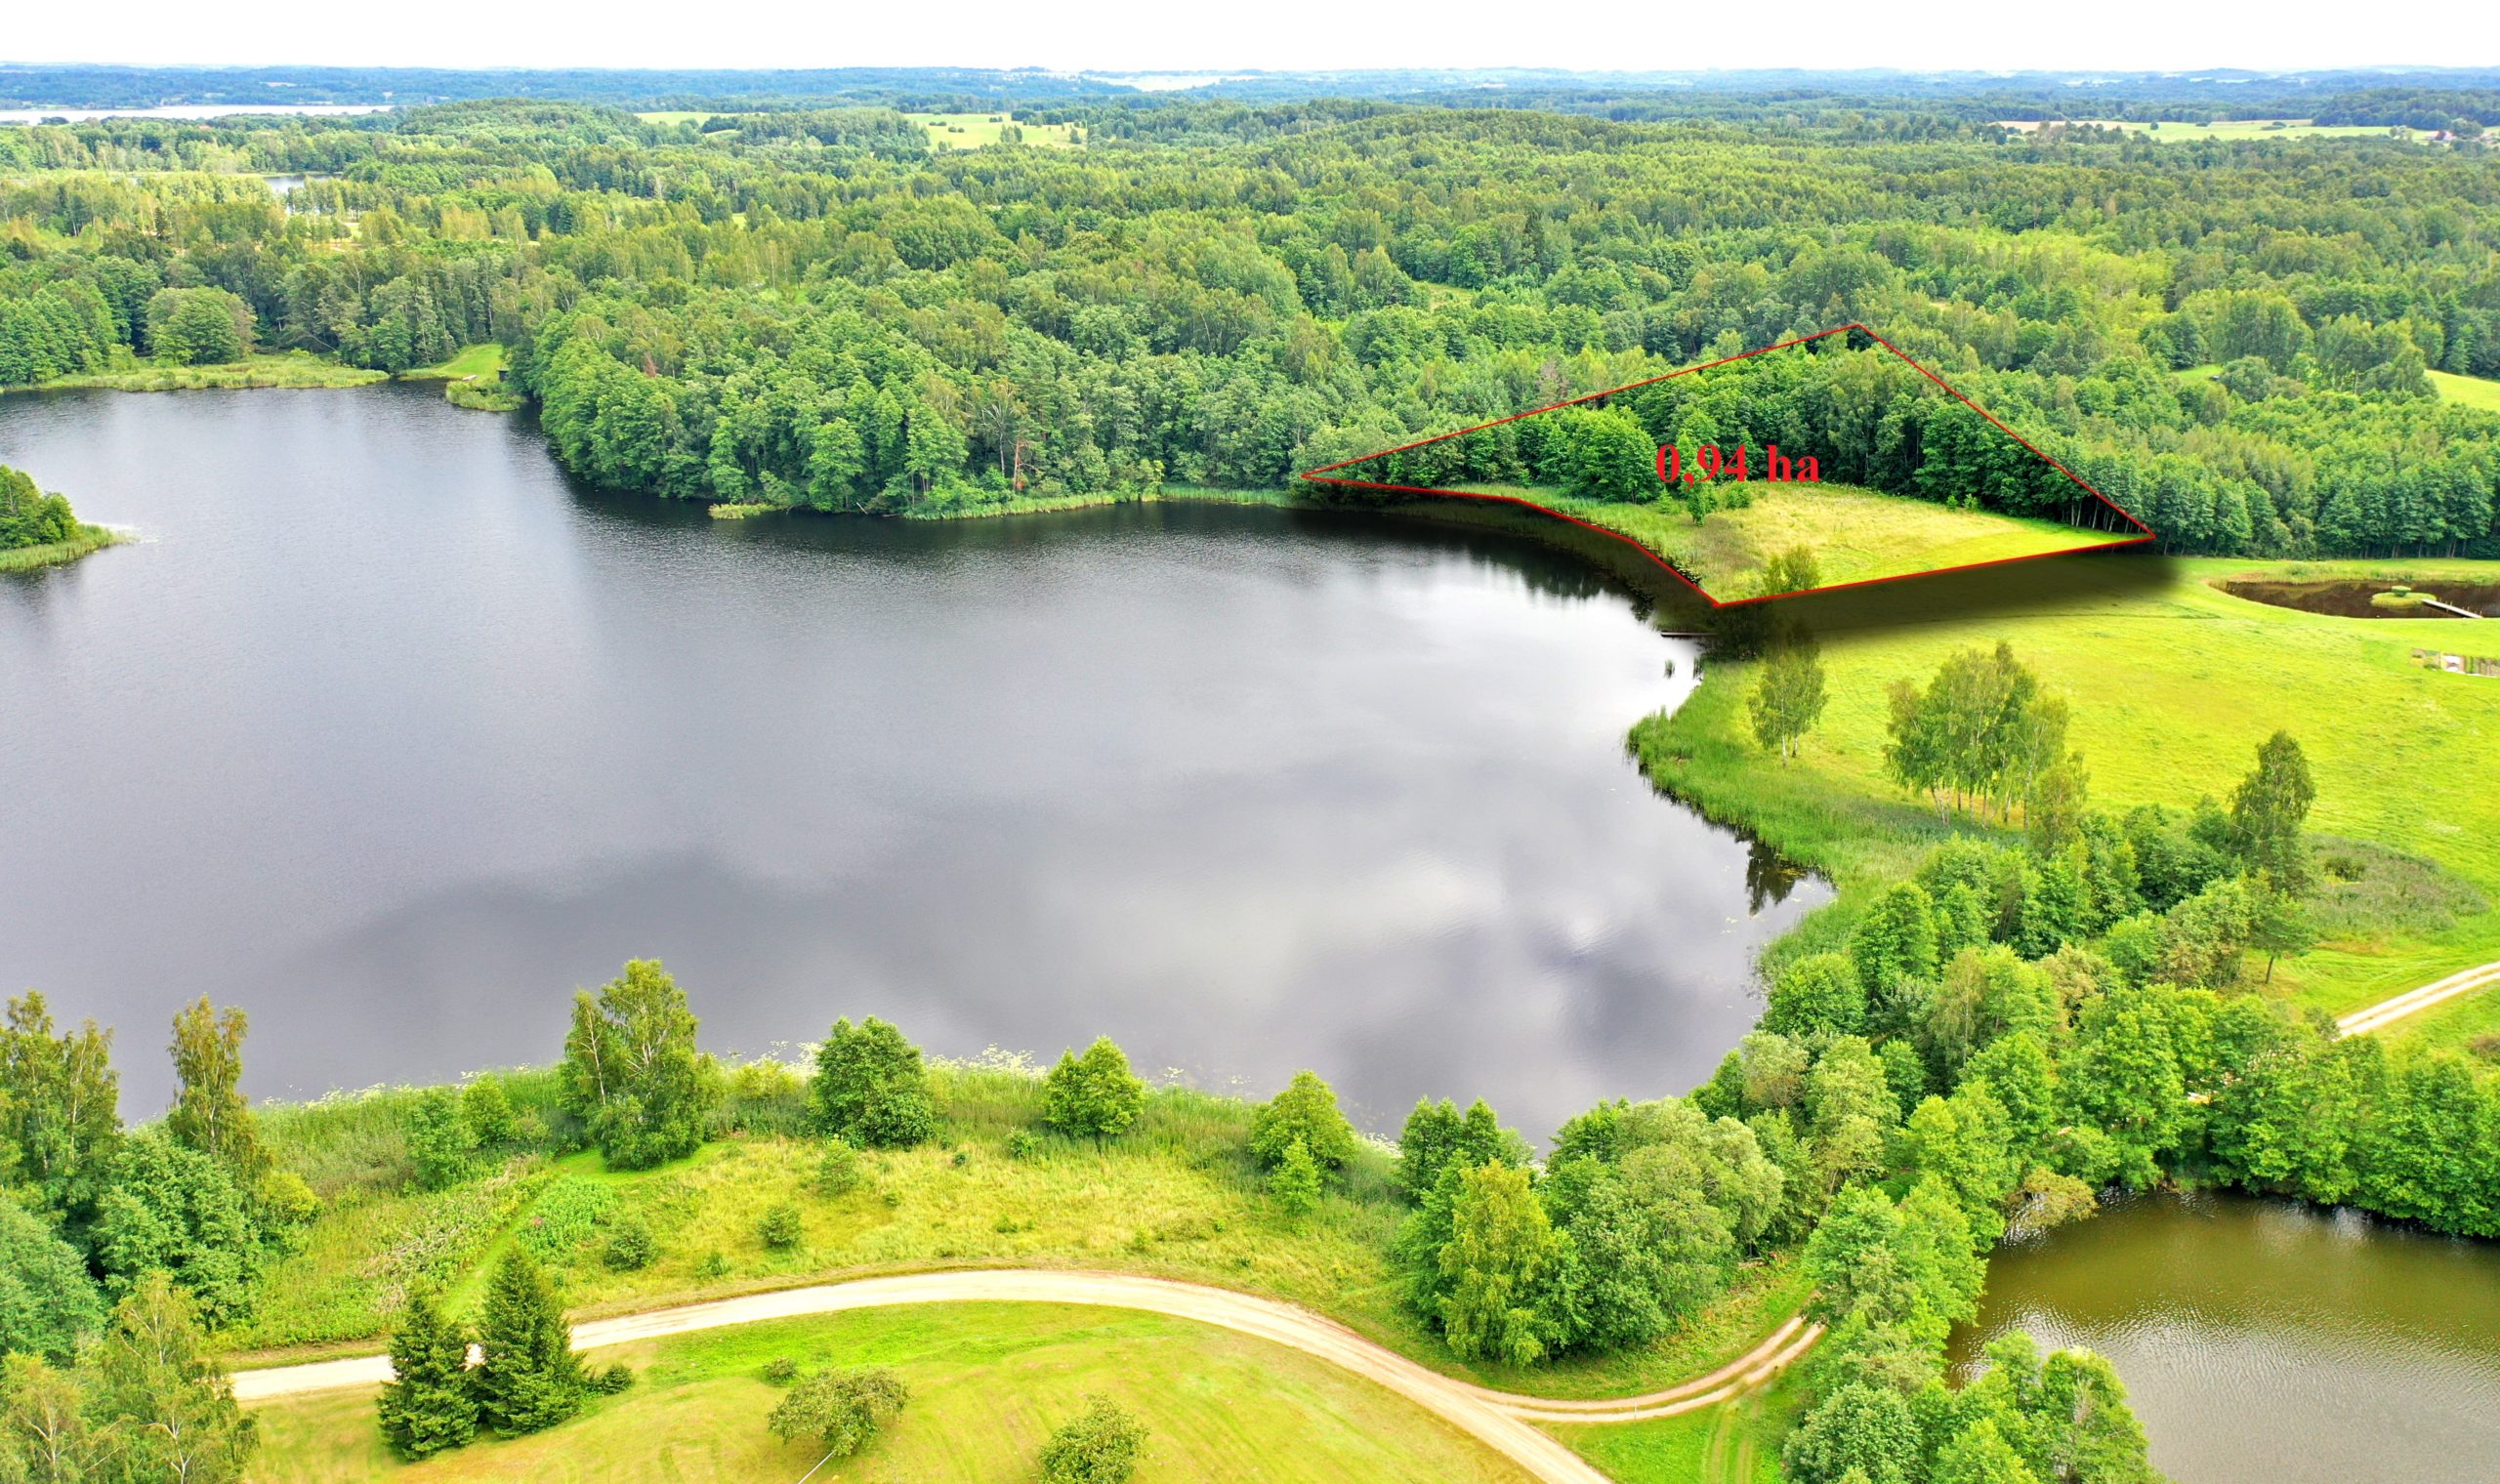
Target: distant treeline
811, 307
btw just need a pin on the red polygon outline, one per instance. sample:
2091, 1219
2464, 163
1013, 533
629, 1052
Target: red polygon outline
1319, 476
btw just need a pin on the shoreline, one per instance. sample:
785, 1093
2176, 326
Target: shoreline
91, 540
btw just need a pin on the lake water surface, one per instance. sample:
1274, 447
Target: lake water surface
2262, 1341
390, 735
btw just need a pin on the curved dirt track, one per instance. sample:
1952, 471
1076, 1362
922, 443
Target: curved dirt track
1499, 1420
2395, 1007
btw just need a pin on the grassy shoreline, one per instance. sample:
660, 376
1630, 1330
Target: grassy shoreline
2173, 683
295, 369
90, 540
1178, 1196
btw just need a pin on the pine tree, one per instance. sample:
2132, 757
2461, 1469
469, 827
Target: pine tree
429, 1406
528, 1377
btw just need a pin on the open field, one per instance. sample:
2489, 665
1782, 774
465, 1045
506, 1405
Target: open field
473, 379
971, 131
1856, 535
485, 359
988, 1382
293, 369
1737, 1442
2228, 128
2174, 684
2473, 391
1175, 1197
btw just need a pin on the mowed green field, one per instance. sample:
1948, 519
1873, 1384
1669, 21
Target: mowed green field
1856, 535
971, 131
988, 1383
2174, 684
2473, 391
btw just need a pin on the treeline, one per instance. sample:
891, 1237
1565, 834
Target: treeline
1228, 293
30, 517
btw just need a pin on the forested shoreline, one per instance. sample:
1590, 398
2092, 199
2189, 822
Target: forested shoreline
817, 309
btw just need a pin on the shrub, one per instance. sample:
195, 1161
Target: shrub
1024, 1145
780, 1230
1094, 1095
839, 1172
1100, 1446
630, 1246
286, 1200
1305, 1110
1294, 1184
870, 1087
713, 1265
781, 1370
487, 1110
839, 1408
441, 1142
607, 1381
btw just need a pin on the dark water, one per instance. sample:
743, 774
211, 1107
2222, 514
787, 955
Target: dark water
2262, 1341
392, 737
2351, 599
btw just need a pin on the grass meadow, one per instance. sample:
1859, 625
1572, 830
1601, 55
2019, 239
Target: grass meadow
292, 369
2174, 684
1176, 1196
1856, 535
971, 130
988, 1382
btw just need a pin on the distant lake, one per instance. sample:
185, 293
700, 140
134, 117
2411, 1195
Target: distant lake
387, 733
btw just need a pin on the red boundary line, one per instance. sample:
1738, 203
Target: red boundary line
1319, 476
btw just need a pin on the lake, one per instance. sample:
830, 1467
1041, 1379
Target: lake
391, 735
2264, 1341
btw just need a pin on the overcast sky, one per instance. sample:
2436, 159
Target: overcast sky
1268, 34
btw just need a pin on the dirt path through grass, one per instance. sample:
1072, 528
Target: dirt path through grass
1499, 1420
2390, 1010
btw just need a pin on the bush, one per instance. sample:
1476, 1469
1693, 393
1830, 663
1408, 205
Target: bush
1294, 1184
781, 1370
286, 1200
1094, 1095
1307, 1111
713, 1265
780, 1230
870, 1087
1024, 1145
1100, 1445
839, 1408
486, 1109
607, 1381
631, 1246
839, 1173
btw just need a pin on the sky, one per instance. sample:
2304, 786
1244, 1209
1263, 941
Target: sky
1127, 35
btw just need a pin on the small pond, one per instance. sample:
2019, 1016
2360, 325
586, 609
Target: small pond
2374, 596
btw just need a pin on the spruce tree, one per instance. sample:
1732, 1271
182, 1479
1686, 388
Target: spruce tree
528, 1377
429, 1406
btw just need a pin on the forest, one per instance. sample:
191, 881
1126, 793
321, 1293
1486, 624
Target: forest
2236, 342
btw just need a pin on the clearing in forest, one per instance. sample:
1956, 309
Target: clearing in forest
1824, 461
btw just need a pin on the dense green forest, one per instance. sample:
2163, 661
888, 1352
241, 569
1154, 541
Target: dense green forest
813, 308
